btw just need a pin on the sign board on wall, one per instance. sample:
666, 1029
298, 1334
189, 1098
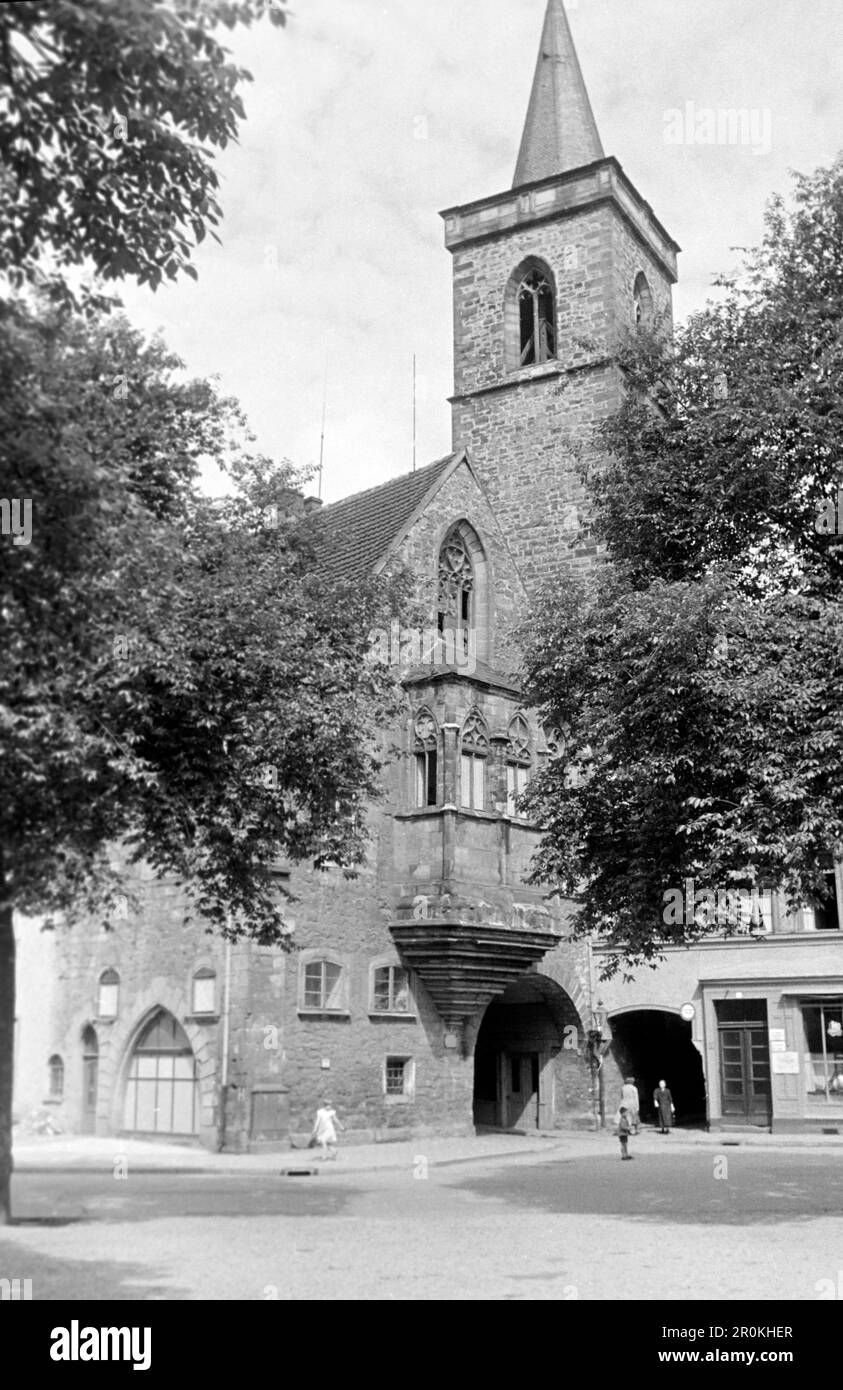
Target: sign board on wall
785, 1063
777, 1040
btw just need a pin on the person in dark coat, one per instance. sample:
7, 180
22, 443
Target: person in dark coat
665, 1109
624, 1128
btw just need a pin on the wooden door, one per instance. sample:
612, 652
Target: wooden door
521, 1073
745, 1073
90, 1066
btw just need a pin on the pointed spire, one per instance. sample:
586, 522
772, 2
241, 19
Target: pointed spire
561, 132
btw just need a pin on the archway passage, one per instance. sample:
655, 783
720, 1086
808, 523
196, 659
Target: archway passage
161, 1086
651, 1045
529, 1070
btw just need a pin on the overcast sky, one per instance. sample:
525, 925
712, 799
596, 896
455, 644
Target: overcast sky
367, 117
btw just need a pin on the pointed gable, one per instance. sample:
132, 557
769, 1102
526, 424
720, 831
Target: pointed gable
355, 535
560, 132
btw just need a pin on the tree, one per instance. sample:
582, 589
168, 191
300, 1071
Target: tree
694, 678
107, 113
180, 675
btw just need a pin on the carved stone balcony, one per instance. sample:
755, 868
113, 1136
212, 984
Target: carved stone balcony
466, 954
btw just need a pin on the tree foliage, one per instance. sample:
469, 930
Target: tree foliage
179, 673
695, 677
109, 114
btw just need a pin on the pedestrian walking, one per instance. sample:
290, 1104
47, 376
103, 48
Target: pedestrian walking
325, 1129
630, 1098
624, 1127
665, 1109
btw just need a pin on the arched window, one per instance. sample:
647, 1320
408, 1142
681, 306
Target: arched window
456, 585
536, 319
474, 750
425, 750
203, 992
162, 1086
642, 297
55, 1068
518, 761
108, 994
322, 985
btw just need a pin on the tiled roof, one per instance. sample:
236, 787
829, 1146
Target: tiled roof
351, 536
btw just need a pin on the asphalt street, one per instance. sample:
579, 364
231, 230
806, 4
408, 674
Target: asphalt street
670, 1225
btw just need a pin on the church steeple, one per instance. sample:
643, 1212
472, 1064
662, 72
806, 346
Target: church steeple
561, 132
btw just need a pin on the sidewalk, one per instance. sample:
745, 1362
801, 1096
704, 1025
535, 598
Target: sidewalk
85, 1153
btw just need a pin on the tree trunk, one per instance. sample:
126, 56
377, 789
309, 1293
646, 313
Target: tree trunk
7, 1043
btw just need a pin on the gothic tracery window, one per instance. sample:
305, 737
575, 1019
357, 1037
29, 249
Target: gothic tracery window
425, 747
536, 318
474, 750
456, 585
518, 762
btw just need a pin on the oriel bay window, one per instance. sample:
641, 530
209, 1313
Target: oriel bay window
474, 753
517, 763
823, 1025
425, 745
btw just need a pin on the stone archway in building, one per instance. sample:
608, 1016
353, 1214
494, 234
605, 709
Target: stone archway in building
161, 1093
655, 1044
530, 1068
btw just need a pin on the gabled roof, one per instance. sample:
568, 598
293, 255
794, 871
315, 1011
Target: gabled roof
353, 537
560, 132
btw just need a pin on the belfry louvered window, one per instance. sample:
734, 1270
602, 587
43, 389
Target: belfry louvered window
537, 320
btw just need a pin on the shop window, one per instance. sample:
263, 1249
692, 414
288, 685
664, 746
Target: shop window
399, 1078
823, 1024
108, 994
390, 990
323, 986
55, 1068
204, 991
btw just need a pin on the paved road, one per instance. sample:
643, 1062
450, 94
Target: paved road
670, 1225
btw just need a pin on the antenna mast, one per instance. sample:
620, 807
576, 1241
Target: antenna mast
322, 438
414, 412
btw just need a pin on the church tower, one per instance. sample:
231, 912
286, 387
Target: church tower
546, 277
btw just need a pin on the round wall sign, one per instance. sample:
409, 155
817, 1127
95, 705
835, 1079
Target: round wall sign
687, 1012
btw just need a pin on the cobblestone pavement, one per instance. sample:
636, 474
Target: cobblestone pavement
702, 1222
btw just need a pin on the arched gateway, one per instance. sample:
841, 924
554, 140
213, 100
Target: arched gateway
162, 1090
530, 1067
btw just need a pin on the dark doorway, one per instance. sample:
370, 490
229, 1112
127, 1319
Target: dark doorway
744, 1061
90, 1068
651, 1045
527, 1059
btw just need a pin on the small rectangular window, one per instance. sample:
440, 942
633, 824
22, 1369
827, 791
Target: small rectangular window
426, 778
204, 992
398, 1077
